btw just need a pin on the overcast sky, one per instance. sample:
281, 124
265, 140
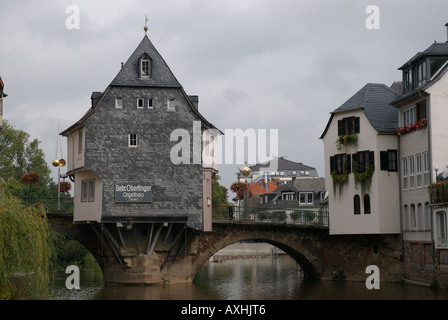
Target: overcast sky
255, 64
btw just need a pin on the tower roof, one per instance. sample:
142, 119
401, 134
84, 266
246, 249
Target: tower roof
161, 75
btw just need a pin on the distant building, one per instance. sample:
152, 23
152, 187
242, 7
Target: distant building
303, 195
120, 153
280, 169
361, 163
2, 95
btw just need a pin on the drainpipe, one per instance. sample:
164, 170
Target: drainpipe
428, 112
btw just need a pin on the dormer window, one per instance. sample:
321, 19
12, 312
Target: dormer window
145, 67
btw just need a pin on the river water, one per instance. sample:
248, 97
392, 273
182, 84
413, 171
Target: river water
274, 278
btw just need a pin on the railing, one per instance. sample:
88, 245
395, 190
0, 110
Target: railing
52, 204
438, 192
270, 215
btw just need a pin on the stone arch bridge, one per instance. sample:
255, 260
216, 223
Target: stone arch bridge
168, 252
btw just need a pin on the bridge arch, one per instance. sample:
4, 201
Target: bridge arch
290, 240
81, 233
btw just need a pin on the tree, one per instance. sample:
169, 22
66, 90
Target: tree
219, 193
19, 155
24, 251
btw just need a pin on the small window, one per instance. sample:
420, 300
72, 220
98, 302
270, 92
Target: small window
140, 102
80, 141
389, 160
348, 125
133, 140
366, 204
306, 198
84, 187
91, 190
404, 169
119, 103
150, 105
356, 204
144, 71
171, 105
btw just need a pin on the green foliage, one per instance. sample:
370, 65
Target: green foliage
24, 252
66, 251
19, 155
219, 193
349, 139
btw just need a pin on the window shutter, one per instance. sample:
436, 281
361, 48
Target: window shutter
340, 127
349, 163
332, 164
372, 159
384, 160
356, 124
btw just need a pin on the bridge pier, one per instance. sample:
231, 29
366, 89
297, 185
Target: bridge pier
168, 253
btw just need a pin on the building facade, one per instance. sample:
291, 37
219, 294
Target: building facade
279, 169
361, 166
422, 111
139, 153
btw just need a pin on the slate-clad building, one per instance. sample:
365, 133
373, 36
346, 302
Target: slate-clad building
120, 153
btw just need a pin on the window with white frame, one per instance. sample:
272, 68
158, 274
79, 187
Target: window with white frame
144, 68
441, 229
91, 194
418, 163
119, 103
408, 116
425, 169
411, 172
288, 195
171, 105
420, 216
404, 169
132, 140
140, 103
88, 190
306, 198
150, 104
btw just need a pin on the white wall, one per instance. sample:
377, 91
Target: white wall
383, 189
87, 211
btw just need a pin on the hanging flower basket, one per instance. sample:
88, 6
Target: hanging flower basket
419, 125
30, 178
64, 186
240, 188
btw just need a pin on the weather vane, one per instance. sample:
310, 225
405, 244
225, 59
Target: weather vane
146, 27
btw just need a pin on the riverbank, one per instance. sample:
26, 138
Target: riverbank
247, 250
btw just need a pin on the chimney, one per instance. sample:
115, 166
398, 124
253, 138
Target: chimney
446, 25
195, 101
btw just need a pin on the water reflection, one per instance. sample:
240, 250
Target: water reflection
245, 279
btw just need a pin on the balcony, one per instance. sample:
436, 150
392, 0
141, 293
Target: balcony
438, 192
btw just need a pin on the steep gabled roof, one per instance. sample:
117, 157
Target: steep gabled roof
161, 75
374, 99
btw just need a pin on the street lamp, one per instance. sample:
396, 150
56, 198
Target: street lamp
59, 163
245, 171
